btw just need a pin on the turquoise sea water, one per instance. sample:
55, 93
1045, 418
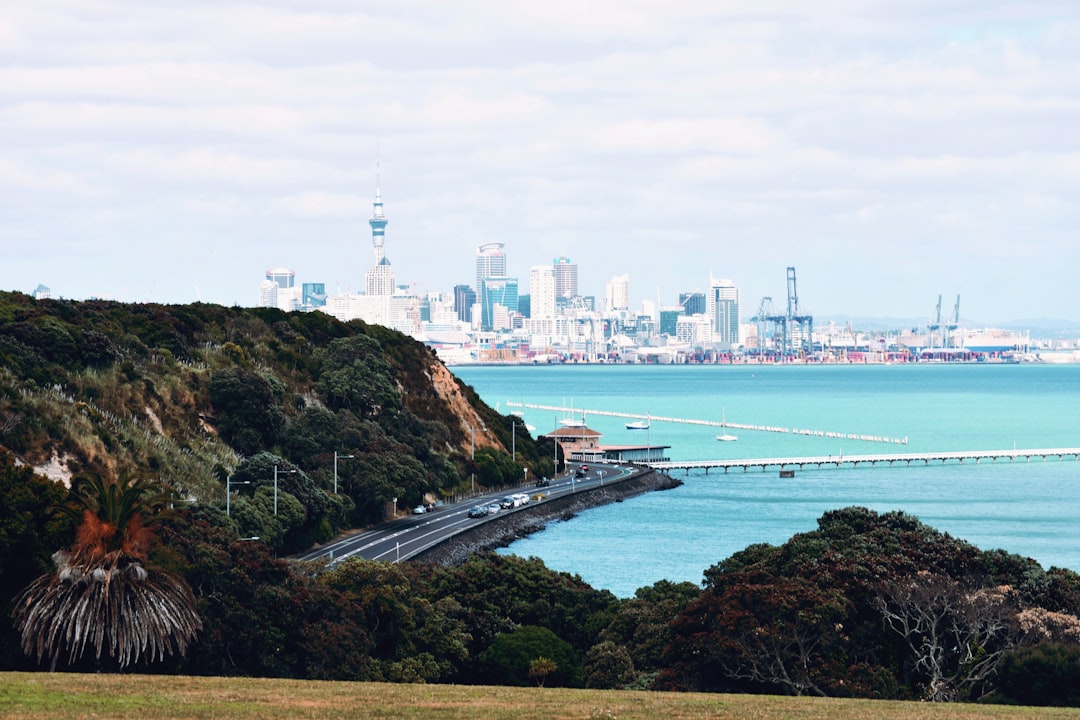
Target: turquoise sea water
1032, 509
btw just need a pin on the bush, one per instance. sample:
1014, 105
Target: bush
1044, 674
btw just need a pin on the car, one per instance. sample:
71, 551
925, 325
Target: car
419, 510
579, 473
478, 511
507, 502
584, 467
493, 508
542, 482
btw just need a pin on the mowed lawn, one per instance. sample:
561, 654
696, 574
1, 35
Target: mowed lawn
152, 697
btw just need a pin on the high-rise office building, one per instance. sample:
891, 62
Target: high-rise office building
498, 298
314, 295
542, 291
723, 312
282, 277
565, 278
464, 299
618, 293
693, 303
490, 262
380, 277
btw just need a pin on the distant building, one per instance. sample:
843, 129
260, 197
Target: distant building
668, 319
542, 291
380, 277
693, 303
464, 299
41, 292
498, 298
313, 295
618, 293
490, 262
282, 277
566, 278
723, 312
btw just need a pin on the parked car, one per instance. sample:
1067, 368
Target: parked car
419, 510
478, 511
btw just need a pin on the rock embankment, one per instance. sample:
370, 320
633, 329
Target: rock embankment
507, 527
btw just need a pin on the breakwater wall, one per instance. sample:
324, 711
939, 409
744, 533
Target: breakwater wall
506, 527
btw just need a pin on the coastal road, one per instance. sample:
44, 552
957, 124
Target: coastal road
404, 537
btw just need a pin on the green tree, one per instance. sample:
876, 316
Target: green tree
102, 596
353, 374
511, 655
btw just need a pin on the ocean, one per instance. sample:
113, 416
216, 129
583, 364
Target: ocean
1028, 508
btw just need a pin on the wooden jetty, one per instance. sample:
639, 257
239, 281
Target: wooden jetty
842, 460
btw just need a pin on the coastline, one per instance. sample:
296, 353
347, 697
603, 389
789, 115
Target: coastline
503, 530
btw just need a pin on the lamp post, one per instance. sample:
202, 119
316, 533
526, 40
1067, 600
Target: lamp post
275, 484
472, 457
343, 457
228, 493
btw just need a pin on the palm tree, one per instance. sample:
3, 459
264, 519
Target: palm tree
101, 595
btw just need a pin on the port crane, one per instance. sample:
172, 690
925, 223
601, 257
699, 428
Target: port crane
793, 329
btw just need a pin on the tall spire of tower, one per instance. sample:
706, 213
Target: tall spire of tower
378, 221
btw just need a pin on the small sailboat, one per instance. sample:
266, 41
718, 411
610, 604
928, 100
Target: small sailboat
725, 436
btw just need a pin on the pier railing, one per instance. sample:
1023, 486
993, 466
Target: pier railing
718, 423
840, 460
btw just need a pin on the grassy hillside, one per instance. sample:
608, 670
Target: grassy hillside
56, 695
186, 392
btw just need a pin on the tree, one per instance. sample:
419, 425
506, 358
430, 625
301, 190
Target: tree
102, 597
956, 634
510, 657
540, 668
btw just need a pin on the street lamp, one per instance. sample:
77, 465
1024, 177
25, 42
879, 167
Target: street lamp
228, 493
275, 485
343, 457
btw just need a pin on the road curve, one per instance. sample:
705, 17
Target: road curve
406, 537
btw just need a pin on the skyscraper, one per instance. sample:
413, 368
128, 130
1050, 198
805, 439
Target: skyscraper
464, 299
490, 262
618, 293
565, 278
542, 291
498, 298
723, 313
380, 277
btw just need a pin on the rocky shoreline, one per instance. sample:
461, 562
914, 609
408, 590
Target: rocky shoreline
506, 528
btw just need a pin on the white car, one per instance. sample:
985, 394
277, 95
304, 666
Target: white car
419, 510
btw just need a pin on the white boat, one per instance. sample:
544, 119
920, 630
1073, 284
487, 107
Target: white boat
638, 425
572, 422
725, 436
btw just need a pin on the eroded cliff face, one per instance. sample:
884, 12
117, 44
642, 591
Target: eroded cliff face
448, 388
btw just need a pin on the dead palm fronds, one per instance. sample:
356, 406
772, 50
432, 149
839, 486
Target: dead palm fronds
101, 595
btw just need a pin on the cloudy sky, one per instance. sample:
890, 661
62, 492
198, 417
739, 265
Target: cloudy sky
889, 151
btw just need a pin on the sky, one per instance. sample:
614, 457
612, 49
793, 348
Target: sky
890, 151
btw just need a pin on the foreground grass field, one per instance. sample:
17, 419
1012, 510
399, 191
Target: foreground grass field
58, 695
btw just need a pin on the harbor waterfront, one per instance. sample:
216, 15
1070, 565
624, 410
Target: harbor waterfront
1024, 505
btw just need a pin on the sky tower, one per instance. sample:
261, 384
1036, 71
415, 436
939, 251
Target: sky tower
378, 221
380, 277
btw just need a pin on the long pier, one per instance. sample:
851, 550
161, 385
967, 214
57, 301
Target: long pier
841, 460
713, 423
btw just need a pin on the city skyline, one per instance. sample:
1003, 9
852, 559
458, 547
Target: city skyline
891, 154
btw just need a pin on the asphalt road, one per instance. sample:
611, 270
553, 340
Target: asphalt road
404, 537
